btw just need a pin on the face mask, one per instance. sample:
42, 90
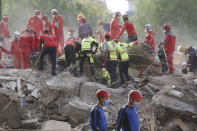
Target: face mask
106, 103
136, 105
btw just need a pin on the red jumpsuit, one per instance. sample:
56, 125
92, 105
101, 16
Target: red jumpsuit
26, 44
48, 25
169, 46
129, 27
4, 51
58, 28
115, 28
150, 39
16, 51
36, 24
4, 31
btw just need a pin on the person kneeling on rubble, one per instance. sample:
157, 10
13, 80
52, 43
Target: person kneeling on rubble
191, 54
128, 119
98, 120
89, 47
71, 52
49, 46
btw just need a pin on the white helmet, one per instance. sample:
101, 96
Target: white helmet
54, 11
17, 33
148, 26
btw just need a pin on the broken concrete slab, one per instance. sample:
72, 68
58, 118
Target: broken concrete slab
10, 109
53, 125
173, 104
176, 93
77, 111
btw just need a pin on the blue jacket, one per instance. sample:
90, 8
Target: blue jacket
98, 119
128, 119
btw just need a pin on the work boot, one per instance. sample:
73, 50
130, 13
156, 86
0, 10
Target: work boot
53, 73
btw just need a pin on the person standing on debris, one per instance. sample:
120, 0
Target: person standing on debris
111, 60
2, 49
85, 29
150, 36
123, 62
128, 119
89, 47
169, 46
71, 35
47, 24
98, 121
16, 50
129, 27
35, 22
4, 31
58, 29
106, 26
49, 46
115, 27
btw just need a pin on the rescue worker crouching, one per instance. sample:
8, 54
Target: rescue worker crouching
98, 121
89, 47
49, 46
112, 60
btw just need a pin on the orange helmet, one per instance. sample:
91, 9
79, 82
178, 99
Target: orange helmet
135, 95
37, 12
70, 42
102, 94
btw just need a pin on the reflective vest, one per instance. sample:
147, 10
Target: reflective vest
112, 48
87, 43
122, 51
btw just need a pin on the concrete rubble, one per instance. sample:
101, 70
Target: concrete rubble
37, 100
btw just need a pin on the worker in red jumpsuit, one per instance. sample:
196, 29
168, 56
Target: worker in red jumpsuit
49, 46
129, 27
16, 51
47, 24
27, 44
4, 31
150, 36
35, 22
2, 49
58, 28
169, 46
115, 27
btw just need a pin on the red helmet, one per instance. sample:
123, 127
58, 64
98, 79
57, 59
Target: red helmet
102, 94
116, 40
5, 18
135, 95
166, 26
45, 17
37, 12
107, 34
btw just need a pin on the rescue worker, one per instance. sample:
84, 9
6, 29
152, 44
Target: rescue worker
47, 24
128, 119
169, 46
115, 27
58, 29
4, 31
85, 29
123, 62
191, 54
71, 51
35, 22
2, 49
27, 44
16, 51
112, 60
150, 36
98, 121
71, 35
106, 26
49, 46
129, 27
100, 36
106, 78
89, 47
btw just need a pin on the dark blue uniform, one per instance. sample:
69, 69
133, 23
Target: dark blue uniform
192, 59
98, 119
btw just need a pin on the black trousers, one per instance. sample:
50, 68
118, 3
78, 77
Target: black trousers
52, 53
86, 55
70, 55
111, 67
163, 59
132, 38
123, 71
